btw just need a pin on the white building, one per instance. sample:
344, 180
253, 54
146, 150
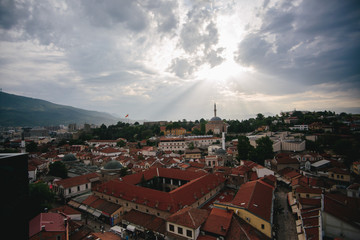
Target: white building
300, 127
70, 187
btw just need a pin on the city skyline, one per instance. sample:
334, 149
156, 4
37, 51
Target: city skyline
172, 60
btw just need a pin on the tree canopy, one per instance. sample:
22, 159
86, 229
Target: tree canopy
58, 169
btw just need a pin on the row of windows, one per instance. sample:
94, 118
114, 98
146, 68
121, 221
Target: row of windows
180, 230
78, 188
338, 176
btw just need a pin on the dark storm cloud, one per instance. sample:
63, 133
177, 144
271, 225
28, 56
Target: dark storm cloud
315, 42
10, 13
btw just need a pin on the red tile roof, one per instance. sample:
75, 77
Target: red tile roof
101, 204
106, 236
53, 222
189, 217
218, 222
172, 201
163, 172
256, 196
241, 230
76, 181
312, 233
147, 221
66, 210
342, 207
110, 150
308, 190
314, 202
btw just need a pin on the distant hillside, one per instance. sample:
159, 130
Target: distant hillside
24, 111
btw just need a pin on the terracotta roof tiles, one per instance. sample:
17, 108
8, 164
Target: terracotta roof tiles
76, 181
255, 196
218, 222
189, 217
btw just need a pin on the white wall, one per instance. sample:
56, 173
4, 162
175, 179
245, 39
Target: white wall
334, 227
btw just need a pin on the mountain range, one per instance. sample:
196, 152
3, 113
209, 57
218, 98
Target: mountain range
24, 111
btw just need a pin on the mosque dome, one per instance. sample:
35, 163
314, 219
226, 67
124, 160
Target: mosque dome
69, 158
113, 165
220, 151
215, 119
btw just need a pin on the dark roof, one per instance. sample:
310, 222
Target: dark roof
112, 165
215, 119
69, 158
344, 208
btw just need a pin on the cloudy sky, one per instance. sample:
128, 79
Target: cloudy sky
172, 60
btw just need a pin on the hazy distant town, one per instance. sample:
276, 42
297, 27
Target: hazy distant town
290, 176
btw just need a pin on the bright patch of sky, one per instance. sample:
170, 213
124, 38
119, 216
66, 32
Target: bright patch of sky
171, 60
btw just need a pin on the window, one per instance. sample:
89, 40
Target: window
337, 176
69, 190
180, 230
136, 206
342, 176
158, 214
78, 188
332, 175
147, 210
262, 226
171, 228
86, 186
127, 204
307, 195
58, 237
189, 233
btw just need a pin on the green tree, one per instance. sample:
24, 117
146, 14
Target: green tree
244, 147
196, 131
260, 116
40, 197
121, 143
58, 169
31, 147
264, 149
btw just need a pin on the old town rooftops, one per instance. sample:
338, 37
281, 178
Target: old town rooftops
171, 201
189, 217
256, 196
78, 180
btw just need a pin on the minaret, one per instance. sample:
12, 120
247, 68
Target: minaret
214, 109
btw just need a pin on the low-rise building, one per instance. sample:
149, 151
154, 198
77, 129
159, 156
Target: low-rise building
300, 127
70, 187
254, 204
53, 226
192, 154
186, 223
340, 216
339, 174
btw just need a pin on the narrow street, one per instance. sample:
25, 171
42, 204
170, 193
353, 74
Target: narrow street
284, 219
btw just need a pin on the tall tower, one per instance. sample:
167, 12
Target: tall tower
214, 109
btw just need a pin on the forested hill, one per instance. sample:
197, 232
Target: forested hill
24, 111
